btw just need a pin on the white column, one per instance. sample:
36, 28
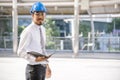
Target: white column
75, 29
15, 26
92, 29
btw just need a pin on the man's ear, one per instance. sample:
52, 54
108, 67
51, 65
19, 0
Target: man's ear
44, 14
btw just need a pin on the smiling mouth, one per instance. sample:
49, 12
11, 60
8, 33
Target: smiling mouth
40, 22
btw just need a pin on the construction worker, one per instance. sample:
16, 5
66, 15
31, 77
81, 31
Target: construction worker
33, 38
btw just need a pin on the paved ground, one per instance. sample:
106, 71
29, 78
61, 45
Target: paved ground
64, 69
86, 66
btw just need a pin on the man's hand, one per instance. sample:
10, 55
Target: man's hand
48, 72
38, 59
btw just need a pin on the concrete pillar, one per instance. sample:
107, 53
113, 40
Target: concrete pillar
75, 29
15, 26
92, 29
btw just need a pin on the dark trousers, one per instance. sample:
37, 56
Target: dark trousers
35, 72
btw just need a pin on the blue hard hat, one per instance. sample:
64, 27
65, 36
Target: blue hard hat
38, 6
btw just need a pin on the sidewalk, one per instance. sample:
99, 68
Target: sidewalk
64, 69
86, 66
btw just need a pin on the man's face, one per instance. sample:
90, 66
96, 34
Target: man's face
38, 17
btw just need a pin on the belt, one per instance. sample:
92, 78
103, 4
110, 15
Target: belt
44, 65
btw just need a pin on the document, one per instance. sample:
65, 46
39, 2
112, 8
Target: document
36, 54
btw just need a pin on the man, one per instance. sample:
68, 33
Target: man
33, 39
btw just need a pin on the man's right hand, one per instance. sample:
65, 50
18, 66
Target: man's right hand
38, 59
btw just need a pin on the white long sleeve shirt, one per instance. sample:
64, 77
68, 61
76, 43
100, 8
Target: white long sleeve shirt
30, 41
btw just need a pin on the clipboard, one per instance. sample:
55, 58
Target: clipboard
36, 54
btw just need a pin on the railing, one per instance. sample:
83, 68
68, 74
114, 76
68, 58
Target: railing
102, 44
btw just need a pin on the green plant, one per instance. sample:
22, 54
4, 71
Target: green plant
20, 29
84, 28
51, 31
